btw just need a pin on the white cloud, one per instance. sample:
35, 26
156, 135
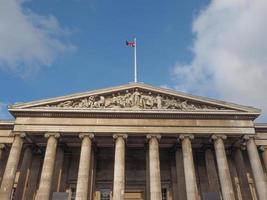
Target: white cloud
28, 40
230, 53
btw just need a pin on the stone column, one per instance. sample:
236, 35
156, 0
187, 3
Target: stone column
180, 174
147, 173
92, 180
58, 169
119, 167
264, 156
24, 173
223, 168
2, 148
45, 184
84, 166
189, 169
2, 160
174, 185
242, 174
257, 170
11, 167
214, 185
154, 167
34, 176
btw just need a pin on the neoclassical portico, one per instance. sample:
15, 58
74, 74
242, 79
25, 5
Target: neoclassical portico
132, 142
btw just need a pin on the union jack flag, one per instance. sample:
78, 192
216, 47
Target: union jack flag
130, 43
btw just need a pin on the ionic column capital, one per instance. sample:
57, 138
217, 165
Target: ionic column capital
2, 146
245, 139
83, 135
241, 147
157, 136
248, 137
56, 135
262, 148
20, 134
117, 135
183, 136
215, 137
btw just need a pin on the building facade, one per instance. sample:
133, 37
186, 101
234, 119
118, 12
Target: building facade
133, 142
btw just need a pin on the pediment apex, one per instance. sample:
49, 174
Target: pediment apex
134, 96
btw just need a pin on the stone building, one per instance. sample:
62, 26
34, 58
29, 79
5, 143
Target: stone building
132, 142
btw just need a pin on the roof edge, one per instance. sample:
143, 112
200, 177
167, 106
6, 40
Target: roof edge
143, 86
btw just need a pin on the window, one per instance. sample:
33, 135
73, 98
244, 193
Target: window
164, 194
105, 194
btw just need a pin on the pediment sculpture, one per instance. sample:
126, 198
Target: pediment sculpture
135, 99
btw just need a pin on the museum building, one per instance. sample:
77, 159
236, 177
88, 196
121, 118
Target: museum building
133, 142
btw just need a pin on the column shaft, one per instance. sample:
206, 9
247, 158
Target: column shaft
180, 174
24, 174
223, 169
2, 148
154, 169
189, 169
147, 175
174, 177
33, 177
92, 175
242, 175
11, 168
3, 158
58, 170
84, 168
257, 170
65, 172
264, 157
214, 185
44, 191
119, 168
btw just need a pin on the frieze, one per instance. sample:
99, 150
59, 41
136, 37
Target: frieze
136, 100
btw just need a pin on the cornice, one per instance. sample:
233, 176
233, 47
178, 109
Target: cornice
6, 124
133, 114
260, 127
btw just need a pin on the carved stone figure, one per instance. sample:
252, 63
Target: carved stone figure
134, 99
159, 101
100, 102
128, 100
149, 102
65, 104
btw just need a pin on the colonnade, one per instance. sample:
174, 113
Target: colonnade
226, 185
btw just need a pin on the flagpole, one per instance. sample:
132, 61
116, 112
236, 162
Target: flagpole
135, 64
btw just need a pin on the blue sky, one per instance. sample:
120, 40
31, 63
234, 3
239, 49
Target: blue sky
57, 47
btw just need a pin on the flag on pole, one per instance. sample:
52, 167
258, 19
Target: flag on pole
130, 43
133, 44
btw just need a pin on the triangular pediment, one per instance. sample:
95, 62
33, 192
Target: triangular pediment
134, 97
